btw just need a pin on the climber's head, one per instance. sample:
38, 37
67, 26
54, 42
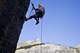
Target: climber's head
40, 5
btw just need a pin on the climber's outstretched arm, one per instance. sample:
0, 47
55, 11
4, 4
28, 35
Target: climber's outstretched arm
33, 6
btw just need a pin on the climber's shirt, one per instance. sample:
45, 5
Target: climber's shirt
40, 11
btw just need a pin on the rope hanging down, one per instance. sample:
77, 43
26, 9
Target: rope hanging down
41, 34
41, 29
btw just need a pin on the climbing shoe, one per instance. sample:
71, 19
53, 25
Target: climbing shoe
26, 19
37, 23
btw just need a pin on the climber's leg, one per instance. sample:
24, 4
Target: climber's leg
30, 18
37, 19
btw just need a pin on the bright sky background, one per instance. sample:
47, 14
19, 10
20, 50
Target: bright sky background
61, 23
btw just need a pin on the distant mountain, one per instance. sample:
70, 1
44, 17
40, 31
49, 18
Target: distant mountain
35, 46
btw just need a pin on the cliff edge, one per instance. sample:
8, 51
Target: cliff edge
12, 17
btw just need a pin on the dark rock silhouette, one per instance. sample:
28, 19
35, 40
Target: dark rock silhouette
12, 17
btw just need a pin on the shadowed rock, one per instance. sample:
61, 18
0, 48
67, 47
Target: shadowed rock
12, 17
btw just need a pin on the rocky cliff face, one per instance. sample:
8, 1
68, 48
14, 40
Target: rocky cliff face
12, 16
35, 46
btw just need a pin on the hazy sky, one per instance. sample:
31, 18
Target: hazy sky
61, 23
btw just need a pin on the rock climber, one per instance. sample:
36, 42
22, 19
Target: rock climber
39, 13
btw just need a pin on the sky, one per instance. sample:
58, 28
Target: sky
60, 24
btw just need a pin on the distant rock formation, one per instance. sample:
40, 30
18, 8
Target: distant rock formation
12, 17
38, 47
78, 47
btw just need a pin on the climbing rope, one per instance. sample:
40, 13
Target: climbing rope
41, 29
41, 34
